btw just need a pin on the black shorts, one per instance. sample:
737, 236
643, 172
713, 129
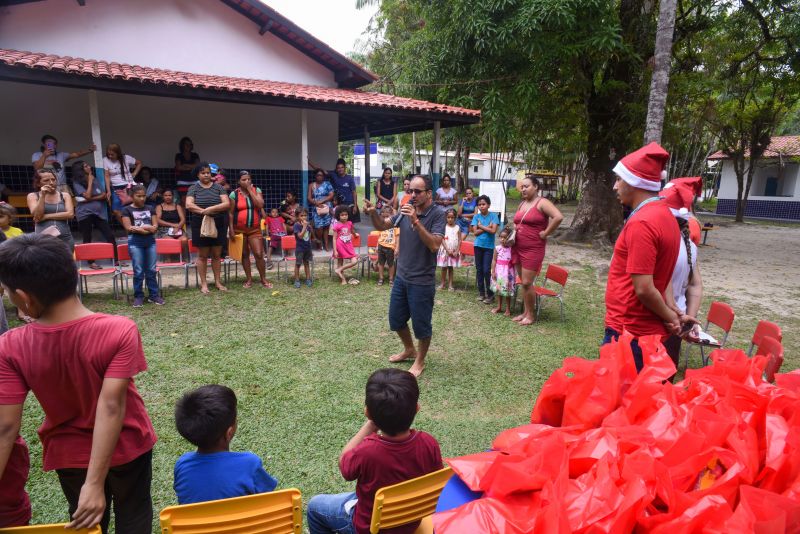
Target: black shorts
303, 256
385, 256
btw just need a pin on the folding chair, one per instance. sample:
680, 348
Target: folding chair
49, 529
288, 245
773, 350
409, 501
518, 282
467, 252
557, 275
764, 328
277, 512
125, 274
372, 257
720, 315
94, 251
173, 247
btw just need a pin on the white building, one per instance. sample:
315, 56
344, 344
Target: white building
480, 164
251, 88
775, 190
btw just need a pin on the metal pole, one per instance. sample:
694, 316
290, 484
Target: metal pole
437, 143
94, 119
304, 156
366, 163
413, 153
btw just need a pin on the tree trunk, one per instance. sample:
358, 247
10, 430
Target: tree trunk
459, 183
466, 166
659, 83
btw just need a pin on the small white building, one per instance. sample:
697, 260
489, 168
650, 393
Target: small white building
252, 89
775, 190
480, 164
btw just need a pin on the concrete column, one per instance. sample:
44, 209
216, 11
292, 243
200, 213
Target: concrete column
94, 120
437, 148
304, 157
367, 163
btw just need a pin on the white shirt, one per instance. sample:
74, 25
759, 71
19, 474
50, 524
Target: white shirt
680, 276
60, 157
115, 172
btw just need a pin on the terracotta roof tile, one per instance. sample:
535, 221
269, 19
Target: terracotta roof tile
785, 145
104, 69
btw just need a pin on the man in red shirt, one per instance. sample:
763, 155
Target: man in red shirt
80, 365
644, 254
375, 460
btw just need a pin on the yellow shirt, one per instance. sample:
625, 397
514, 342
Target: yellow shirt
388, 238
13, 232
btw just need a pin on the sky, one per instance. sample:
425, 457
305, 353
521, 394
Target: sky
335, 22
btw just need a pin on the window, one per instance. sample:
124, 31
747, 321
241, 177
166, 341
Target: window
475, 168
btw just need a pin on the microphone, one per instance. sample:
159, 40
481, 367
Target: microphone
400, 216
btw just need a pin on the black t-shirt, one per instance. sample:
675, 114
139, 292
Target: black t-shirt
139, 217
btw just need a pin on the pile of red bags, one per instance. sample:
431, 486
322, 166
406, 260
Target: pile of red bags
610, 451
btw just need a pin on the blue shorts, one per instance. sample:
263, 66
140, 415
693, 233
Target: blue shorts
116, 203
412, 301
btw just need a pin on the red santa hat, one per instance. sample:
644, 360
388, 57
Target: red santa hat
643, 168
679, 194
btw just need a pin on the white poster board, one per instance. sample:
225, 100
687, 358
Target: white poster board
496, 191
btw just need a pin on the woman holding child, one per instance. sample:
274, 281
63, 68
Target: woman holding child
536, 218
207, 198
247, 203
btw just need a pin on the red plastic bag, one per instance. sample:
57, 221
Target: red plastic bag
763, 512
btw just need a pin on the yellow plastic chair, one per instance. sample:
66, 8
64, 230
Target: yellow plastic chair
409, 501
49, 529
278, 512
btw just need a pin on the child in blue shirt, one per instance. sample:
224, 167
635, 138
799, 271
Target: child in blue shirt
484, 226
206, 417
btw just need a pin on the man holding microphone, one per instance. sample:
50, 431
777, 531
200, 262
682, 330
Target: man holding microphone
422, 225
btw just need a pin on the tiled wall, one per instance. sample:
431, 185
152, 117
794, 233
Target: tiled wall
273, 182
768, 209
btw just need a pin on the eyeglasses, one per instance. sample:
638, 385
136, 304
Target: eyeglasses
418, 191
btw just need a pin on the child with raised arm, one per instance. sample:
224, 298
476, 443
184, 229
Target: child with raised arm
343, 249
384, 452
387, 247
504, 276
96, 433
303, 255
206, 418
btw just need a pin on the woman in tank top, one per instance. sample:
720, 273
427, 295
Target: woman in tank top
51, 209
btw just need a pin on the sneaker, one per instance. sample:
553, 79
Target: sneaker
297, 284
157, 300
488, 300
309, 282
481, 298
138, 302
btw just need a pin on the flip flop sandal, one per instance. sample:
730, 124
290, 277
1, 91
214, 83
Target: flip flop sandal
353, 282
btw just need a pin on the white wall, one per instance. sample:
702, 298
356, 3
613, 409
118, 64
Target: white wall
232, 135
786, 187
198, 36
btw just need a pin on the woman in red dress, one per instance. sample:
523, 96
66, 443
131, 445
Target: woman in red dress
536, 218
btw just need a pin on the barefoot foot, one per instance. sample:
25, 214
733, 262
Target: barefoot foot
519, 317
248, 284
405, 355
507, 313
204, 290
221, 287
416, 369
526, 321
495, 310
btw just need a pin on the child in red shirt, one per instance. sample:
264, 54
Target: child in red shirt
376, 460
96, 434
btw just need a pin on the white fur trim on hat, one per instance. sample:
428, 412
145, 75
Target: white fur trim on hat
683, 213
633, 180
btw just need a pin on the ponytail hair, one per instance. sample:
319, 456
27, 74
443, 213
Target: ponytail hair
683, 224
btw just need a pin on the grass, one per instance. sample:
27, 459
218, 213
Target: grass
299, 361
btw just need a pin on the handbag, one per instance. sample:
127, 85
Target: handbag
323, 210
208, 228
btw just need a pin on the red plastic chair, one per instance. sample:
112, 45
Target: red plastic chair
518, 282
467, 259
91, 252
126, 274
372, 243
720, 315
172, 247
773, 350
288, 245
557, 275
764, 328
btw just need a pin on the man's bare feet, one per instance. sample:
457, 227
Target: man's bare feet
526, 321
416, 369
519, 317
221, 287
405, 355
204, 290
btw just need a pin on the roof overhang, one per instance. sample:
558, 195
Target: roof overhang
380, 114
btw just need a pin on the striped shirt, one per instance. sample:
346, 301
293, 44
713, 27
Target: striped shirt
245, 214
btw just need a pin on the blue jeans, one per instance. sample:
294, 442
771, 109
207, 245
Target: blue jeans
412, 301
483, 270
326, 514
143, 257
613, 335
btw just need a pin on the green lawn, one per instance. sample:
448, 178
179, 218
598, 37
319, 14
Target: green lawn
299, 360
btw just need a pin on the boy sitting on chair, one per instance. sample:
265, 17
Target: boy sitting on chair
386, 451
206, 417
